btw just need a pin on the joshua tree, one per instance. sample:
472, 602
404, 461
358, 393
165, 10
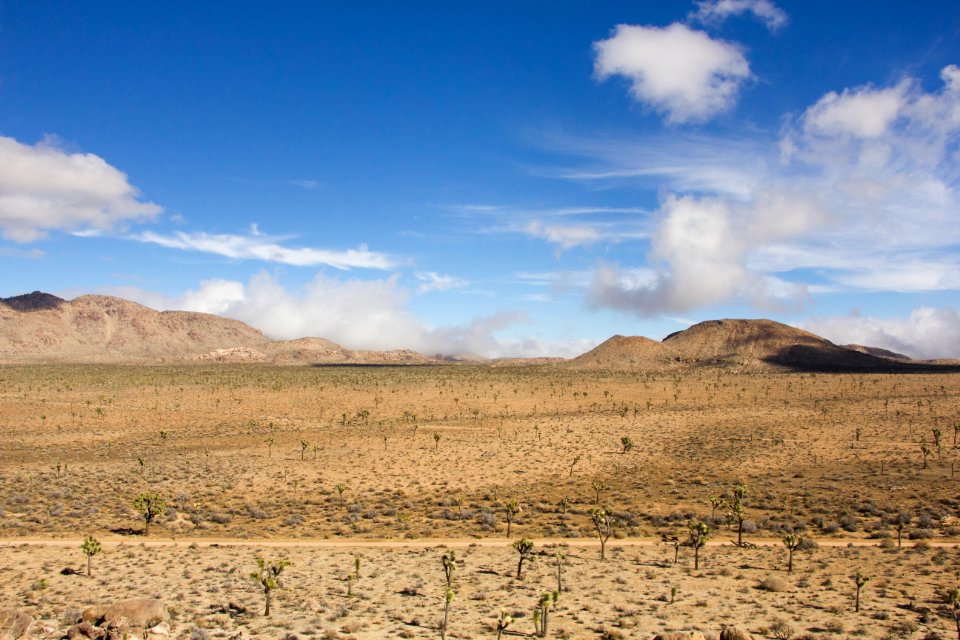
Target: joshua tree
542, 613
956, 432
626, 443
436, 440
598, 486
952, 598
737, 511
604, 523
716, 502
925, 452
447, 599
340, 488
903, 519
937, 437
90, 548
859, 580
792, 542
524, 548
560, 556
356, 567
304, 445
150, 506
577, 458
268, 575
269, 442
449, 562
513, 508
675, 541
504, 621
699, 534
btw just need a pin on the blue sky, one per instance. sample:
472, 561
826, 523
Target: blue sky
495, 178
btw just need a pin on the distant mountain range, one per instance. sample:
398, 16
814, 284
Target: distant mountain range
42, 328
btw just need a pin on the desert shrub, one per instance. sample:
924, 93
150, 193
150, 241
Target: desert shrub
830, 527
774, 584
294, 520
849, 522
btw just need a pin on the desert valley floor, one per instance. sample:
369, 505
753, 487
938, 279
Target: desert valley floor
395, 466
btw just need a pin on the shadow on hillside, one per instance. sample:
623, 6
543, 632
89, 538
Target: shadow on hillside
373, 365
815, 360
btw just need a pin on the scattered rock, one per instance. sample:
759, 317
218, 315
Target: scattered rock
85, 630
680, 635
138, 612
14, 624
733, 633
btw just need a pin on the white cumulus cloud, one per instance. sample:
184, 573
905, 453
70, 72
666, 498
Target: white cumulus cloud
715, 11
678, 71
358, 314
927, 333
257, 246
43, 188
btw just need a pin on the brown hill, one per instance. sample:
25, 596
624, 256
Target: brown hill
39, 327
877, 351
740, 344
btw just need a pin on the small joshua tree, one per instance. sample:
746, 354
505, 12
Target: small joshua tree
858, 580
304, 445
449, 562
903, 519
268, 575
269, 442
676, 542
925, 452
578, 457
504, 621
699, 534
737, 510
560, 557
716, 502
541, 614
447, 599
90, 548
598, 486
436, 440
626, 443
937, 437
792, 542
340, 488
513, 508
604, 523
150, 506
524, 548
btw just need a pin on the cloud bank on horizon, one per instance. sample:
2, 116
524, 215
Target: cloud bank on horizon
689, 197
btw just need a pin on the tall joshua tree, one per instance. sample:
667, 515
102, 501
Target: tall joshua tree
151, 506
699, 534
736, 508
604, 523
90, 548
524, 548
792, 542
268, 575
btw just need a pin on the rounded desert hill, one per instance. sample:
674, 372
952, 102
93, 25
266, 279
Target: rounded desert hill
40, 327
623, 352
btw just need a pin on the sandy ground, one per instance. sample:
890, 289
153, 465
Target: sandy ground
248, 453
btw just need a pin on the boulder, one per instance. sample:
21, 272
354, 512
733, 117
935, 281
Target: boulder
14, 624
139, 612
85, 631
733, 633
680, 635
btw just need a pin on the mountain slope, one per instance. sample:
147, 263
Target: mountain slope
39, 327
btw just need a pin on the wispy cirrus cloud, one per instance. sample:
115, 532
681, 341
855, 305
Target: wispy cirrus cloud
44, 188
433, 281
257, 246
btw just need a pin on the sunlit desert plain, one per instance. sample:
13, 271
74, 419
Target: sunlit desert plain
362, 478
